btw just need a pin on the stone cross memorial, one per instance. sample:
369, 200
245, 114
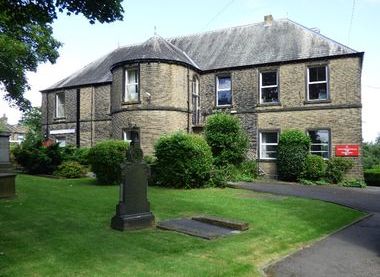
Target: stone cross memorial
133, 210
7, 176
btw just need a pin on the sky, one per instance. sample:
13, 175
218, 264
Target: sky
351, 22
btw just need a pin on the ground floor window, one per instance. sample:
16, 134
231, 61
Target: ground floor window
320, 142
61, 141
130, 135
268, 145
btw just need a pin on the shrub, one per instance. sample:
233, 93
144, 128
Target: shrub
183, 161
314, 168
336, 168
35, 158
227, 139
293, 147
372, 176
72, 153
353, 183
70, 169
246, 171
106, 158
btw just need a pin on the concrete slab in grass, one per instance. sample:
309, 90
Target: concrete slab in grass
196, 228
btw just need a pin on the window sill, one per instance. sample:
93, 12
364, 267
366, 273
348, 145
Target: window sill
223, 107
327, 101
267, 160
59, 118
269, 104
131, 103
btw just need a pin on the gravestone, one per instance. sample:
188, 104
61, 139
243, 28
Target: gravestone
133, 209
7, 177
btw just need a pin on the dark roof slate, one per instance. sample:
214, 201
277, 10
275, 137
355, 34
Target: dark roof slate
254, 44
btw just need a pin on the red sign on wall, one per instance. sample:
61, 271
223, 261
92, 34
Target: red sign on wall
347, 150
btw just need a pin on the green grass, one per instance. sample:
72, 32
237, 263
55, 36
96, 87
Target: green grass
62, 228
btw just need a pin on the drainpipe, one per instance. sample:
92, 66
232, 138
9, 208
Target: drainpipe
78, 119
188, 101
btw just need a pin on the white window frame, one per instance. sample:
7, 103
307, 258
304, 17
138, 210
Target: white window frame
59, 103
127, 85
328, 144
261, 144
271, 86
217, 90
318, 82
197, 98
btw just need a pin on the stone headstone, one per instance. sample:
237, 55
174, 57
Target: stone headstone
7, 177
133, 209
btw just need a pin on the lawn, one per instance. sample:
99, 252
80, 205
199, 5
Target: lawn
62, 228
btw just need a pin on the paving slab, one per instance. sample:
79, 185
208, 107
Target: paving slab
196, 228
352, 252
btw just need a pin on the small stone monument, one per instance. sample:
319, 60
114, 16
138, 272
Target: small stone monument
7, 176
133, 210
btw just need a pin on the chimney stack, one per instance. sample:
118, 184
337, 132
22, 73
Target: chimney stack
268, 19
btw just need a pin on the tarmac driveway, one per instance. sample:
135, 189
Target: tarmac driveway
354, 251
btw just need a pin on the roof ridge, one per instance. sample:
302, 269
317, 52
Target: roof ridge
319, 34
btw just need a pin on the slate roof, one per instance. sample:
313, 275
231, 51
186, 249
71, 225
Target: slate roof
254, 44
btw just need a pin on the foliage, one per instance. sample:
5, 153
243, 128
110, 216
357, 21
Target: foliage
70, 169
72, 153
150, 160
336, 168
183, 161
26, 36
227, 139
32, 119
293, 148
306, 182
314, 168
35, 158
353, 183
372, 176
106, 158
246, 172
371, 154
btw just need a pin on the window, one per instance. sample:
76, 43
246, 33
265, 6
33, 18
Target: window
317, 85
268, 145
196, 101
131, 135
60, 104
320, 143
223, 91
269, 87
61, 141
131, 91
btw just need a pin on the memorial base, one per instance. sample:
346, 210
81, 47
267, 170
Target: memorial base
7, 185
132, 222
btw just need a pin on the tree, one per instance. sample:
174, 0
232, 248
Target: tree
371, 154
26, 37
32, 119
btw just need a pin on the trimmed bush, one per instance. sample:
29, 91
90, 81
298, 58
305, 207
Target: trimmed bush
106, 158
70, 169
227, 139
336, 168
183, 161
315, 167
372, 176
293, 148
35, 158
72, 153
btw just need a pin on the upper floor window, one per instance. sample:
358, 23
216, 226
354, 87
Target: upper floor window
317, 84
268, 145
269, 87
223, 91
196, 101
320, 143
60, 104
131, 90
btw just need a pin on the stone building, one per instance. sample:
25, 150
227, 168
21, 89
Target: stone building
273, 75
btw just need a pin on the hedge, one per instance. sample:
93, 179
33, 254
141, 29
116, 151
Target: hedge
372, 176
